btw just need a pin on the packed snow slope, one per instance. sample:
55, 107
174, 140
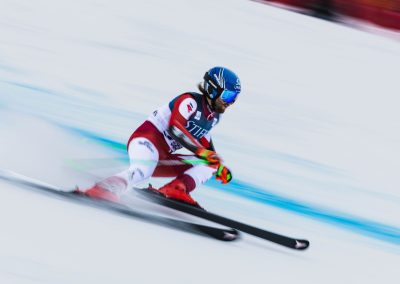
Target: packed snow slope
312, 141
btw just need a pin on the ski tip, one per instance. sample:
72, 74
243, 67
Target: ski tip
301, 244
231, 235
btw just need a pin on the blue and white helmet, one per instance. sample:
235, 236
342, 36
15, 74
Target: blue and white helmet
221, 82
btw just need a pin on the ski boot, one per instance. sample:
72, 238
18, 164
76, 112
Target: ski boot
98, 192
106, 189
176, 190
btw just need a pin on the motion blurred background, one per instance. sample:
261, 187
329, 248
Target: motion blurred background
313, 140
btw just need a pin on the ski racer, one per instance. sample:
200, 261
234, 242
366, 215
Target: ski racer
185, 122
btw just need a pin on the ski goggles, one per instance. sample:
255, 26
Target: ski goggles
228, 97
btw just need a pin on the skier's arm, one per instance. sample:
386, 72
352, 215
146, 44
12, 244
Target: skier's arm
181, 135
207, 142
183, 109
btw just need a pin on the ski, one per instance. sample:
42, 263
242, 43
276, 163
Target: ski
71, 194
298, 244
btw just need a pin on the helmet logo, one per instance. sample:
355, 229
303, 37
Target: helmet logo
220, 78
237, 86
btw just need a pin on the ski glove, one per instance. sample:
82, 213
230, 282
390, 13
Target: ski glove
210, 156
223, 174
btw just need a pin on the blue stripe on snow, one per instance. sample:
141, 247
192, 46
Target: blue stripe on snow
263, 195
356, 224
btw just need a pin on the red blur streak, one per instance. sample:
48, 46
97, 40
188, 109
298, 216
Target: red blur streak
377, 15
386, 18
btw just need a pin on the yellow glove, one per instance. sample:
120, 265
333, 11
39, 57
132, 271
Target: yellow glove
223, 174
210, 156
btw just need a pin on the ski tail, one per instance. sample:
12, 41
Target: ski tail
72, 195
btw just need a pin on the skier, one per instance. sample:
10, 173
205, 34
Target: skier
184, 122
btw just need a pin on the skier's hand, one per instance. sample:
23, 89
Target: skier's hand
223, 174
210, 156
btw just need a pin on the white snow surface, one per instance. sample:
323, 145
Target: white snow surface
317, 122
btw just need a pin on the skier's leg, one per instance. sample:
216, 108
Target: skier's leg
199, 174
188, 177
143, 156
